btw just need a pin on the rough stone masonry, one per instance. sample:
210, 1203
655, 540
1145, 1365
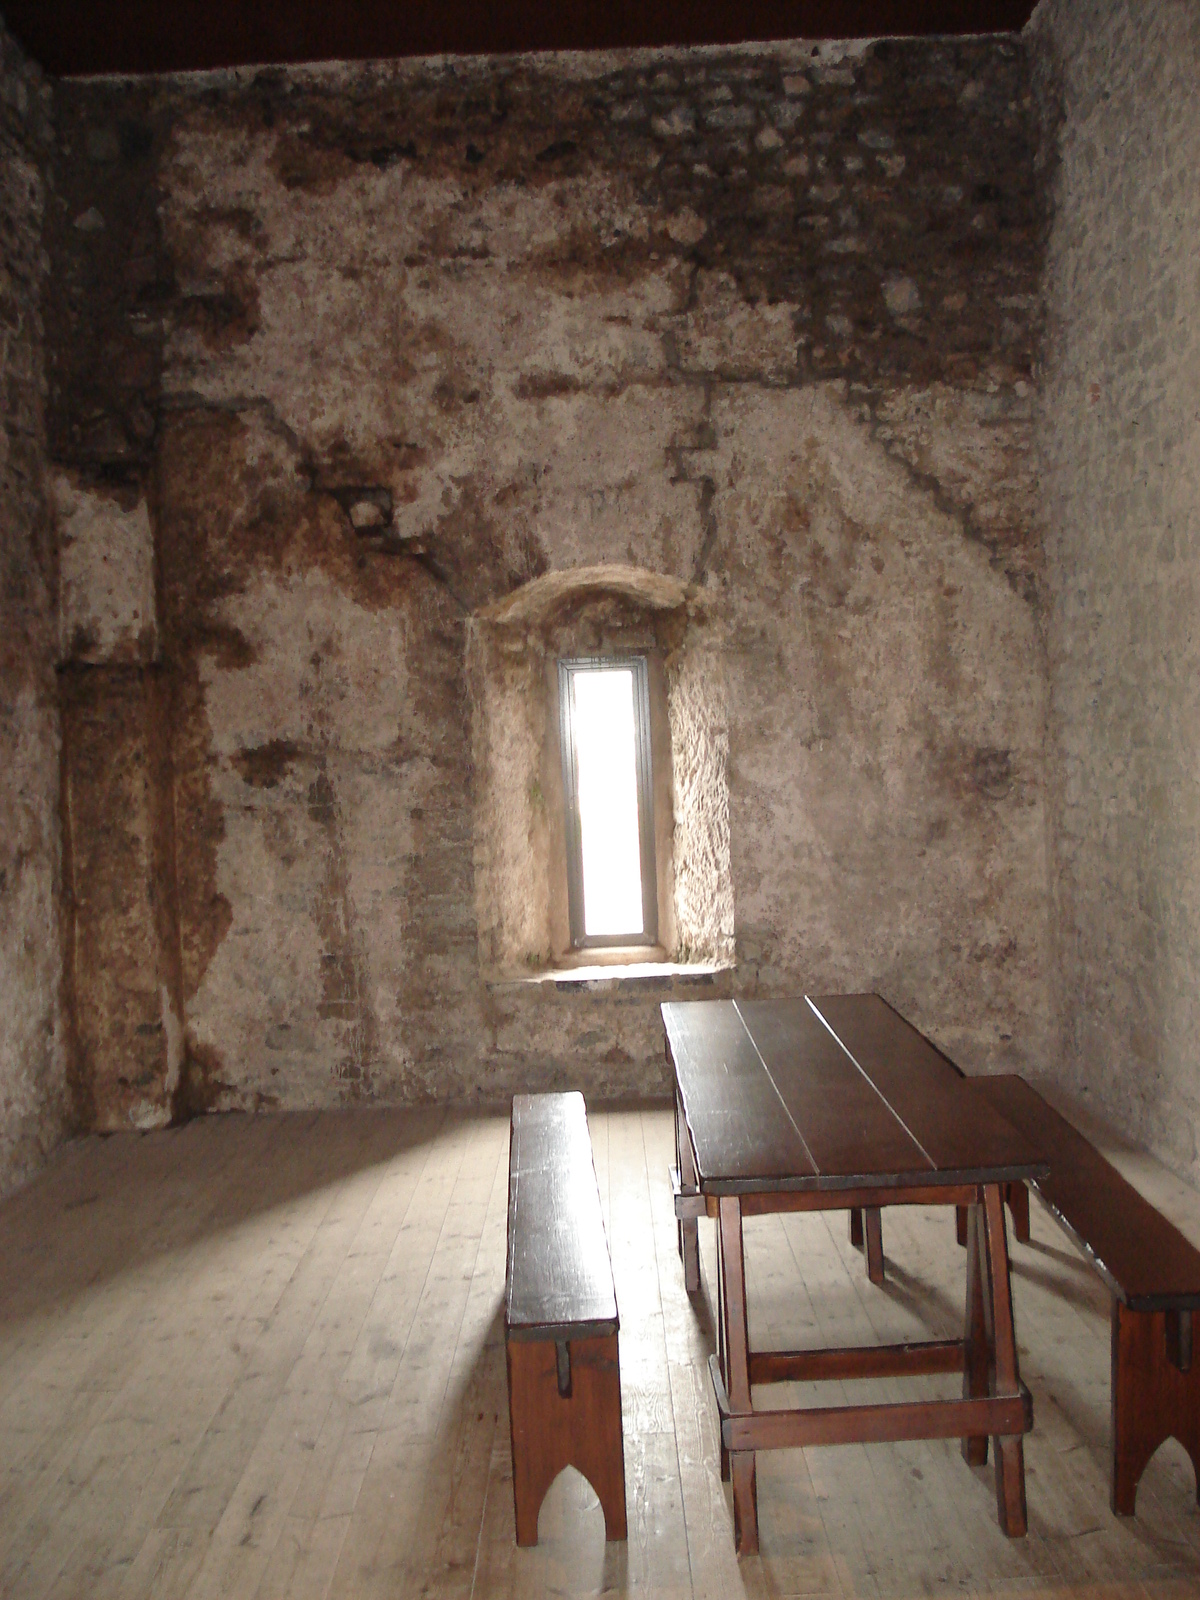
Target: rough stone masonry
32, 1032
340, 360
1119, 434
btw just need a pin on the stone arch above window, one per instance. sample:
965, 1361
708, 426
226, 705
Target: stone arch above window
520, 849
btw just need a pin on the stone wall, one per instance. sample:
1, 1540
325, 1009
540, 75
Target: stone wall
358, 353
31, 1025
1121, 480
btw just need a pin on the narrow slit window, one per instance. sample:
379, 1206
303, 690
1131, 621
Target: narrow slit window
605, 708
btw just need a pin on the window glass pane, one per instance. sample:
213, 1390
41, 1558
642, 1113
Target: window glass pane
606, 778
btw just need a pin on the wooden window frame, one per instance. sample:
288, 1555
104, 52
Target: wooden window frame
567, 668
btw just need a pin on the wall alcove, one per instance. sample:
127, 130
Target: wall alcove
520, 853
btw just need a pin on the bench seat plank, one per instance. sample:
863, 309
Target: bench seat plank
1142, 1257
559, 1283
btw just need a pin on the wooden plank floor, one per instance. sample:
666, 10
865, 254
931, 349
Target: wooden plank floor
264, 1357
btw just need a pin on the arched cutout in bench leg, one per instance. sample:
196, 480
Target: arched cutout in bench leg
1155, 1397
552, 1430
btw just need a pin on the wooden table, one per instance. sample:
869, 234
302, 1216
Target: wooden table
838, 1103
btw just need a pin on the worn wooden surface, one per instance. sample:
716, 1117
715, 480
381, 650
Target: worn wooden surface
826, 1094
846, 1123
559, 1281
740, 1128
924, 1090
265, 1357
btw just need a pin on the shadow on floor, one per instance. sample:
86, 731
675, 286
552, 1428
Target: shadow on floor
110, 1204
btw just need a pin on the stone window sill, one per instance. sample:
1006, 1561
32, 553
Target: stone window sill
623, 975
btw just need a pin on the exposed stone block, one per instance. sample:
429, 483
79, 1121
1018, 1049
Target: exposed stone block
122, 950
33, 1109
106, 608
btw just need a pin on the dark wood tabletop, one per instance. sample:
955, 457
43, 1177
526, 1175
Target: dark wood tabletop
834, 1092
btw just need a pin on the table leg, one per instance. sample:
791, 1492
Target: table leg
745, 1503
689, 1228
975, 1332
737, 1369
1017, 1195
722, 1361
1010, 1450
866, 1234
874, 1225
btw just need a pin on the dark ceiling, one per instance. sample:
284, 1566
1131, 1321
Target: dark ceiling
80, 37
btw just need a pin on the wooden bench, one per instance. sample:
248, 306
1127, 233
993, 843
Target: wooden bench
1152, 1271
560, 1315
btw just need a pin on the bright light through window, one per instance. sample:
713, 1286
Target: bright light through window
607, 796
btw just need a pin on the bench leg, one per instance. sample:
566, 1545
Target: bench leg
962, 1223
856, 1227
552, 1430
1152, 1398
